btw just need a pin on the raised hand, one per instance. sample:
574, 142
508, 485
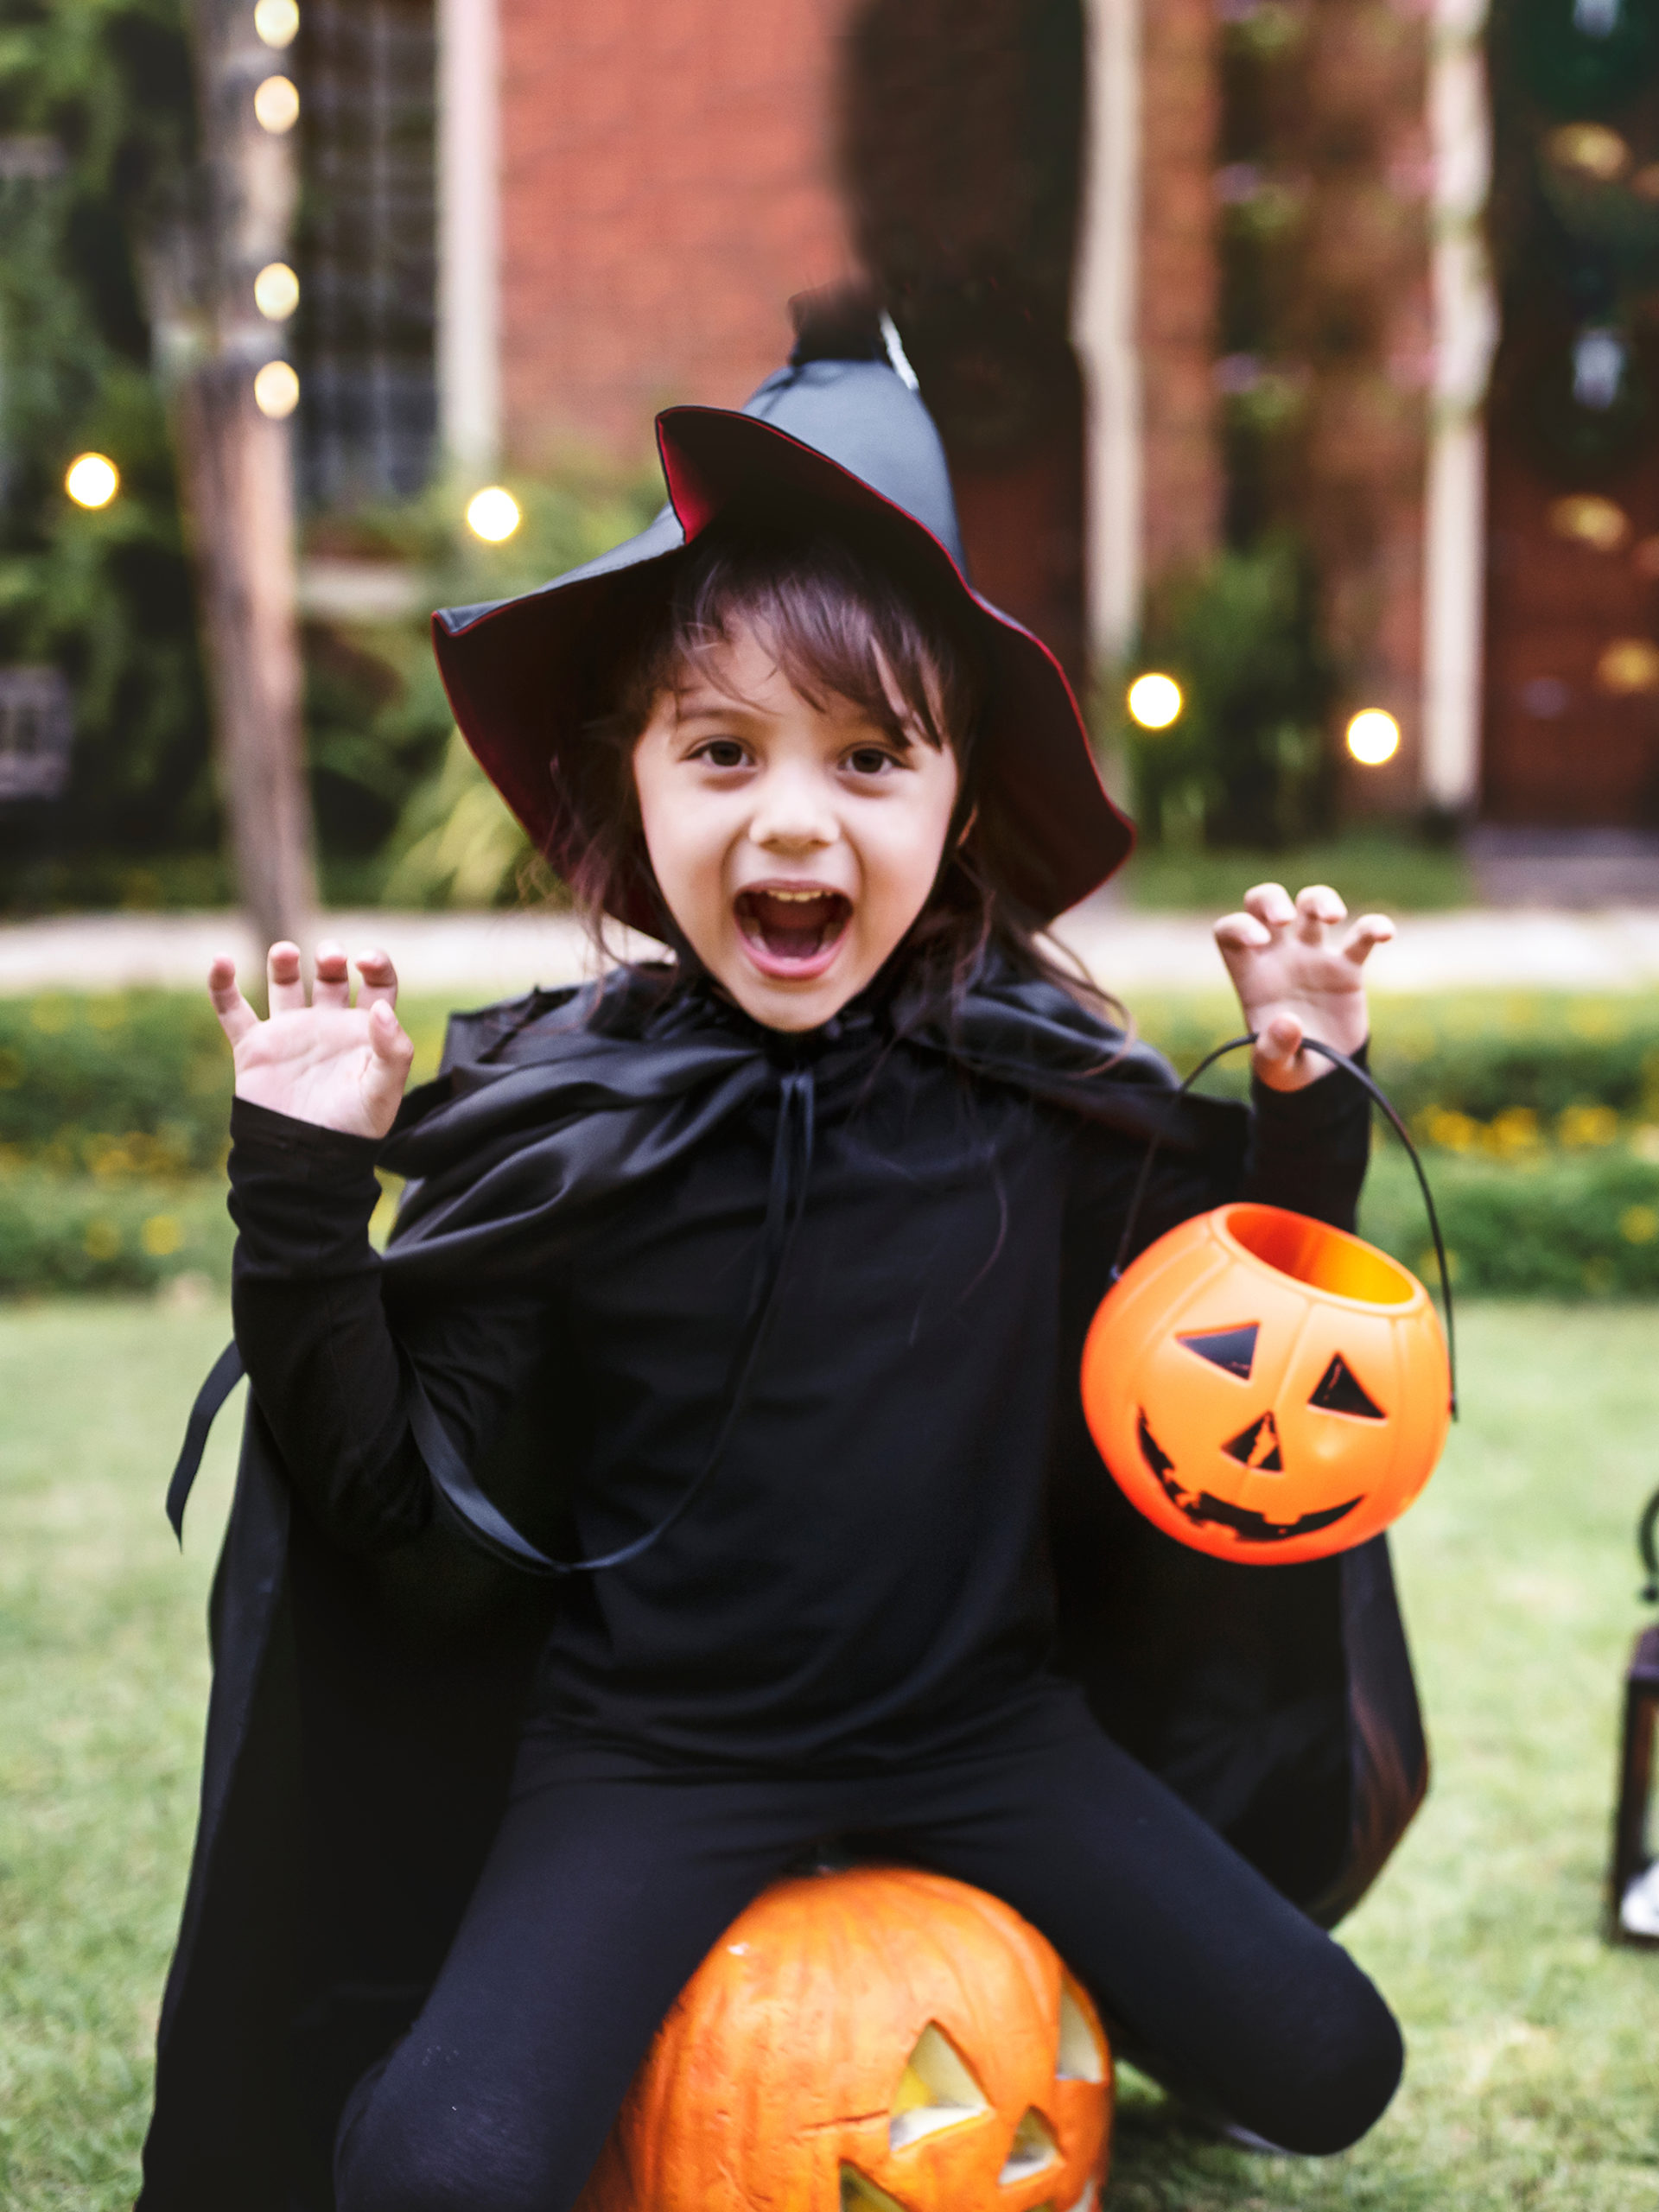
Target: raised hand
1300, 973
339, 1066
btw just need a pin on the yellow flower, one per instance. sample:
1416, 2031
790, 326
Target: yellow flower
162, 1234
52, 1016
1516, 1129
1638, 1225
1582, 1128
101, 1240
1591, 1019
1445, 1127
11, 1068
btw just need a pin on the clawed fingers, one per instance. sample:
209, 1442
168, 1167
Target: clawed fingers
1317, 908
380, 978
1279, 1041
1242, 933
284, 982
1368, 931
1270, 903
332, 986
392, 1051
236, 1016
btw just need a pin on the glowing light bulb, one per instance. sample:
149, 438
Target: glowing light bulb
276, 105
1373, 736
492, 514
276, 390
1155, 700
91, 480
277, 291
278, 21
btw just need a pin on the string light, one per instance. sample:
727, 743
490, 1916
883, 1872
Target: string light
278, 21
1155, 700
277, 105
1373, 736
276, 390
91, 479
492, 514
277, 291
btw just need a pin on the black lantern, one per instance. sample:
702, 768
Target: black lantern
1634, 1888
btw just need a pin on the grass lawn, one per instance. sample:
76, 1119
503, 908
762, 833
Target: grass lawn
1533, 2077
1370, 865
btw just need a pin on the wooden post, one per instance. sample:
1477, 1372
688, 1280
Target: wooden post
237, 471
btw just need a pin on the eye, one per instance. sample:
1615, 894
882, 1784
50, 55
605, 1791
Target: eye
1341, 1391
871, 761
937, 2091
722, 752
1231, 1349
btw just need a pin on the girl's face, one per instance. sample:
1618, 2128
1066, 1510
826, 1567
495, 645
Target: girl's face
794, 844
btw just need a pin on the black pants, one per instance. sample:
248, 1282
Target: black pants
604, 1890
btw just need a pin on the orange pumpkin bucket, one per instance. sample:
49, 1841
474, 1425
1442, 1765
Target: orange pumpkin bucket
1265, 1387
876, 2040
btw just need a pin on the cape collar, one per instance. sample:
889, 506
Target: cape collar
551, 1104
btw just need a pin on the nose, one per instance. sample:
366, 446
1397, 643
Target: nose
792, 811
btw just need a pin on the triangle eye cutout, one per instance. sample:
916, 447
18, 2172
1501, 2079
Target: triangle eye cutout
1257, 1446
1034, 2152
1232, 1349
1340, 1392
937, 2090
860, 2194
1080, 2058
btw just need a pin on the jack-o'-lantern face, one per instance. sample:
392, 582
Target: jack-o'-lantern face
1266, 1388
880, 2040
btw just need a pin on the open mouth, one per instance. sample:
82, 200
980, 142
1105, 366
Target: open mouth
792, 930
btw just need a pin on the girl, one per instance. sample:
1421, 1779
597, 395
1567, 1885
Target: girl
770, 1266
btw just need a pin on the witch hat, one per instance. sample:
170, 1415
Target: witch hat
840, 429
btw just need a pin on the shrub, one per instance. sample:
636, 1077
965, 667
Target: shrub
77, 1232
1554, 1226
1247, 763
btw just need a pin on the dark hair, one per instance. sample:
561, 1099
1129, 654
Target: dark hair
834, 608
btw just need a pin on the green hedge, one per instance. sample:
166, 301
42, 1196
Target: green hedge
1539, 1116
86, 1232
1481, 1056
129, 1083
1554, 1225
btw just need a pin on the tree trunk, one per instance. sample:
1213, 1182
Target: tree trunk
237, 468
238, 471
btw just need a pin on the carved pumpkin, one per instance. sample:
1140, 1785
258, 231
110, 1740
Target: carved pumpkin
1267, 1388
880, 2040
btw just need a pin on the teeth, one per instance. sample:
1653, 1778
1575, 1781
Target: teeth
795, 898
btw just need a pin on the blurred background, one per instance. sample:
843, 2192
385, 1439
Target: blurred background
1301, 350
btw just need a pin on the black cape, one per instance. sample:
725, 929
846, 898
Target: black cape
364, 1713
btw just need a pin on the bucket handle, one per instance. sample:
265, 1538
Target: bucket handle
1361, 1076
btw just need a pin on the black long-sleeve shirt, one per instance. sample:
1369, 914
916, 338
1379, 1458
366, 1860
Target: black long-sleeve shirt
867, 1572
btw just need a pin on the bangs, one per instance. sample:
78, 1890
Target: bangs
833, 620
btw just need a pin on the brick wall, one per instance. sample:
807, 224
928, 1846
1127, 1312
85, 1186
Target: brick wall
665, 186
1179, 99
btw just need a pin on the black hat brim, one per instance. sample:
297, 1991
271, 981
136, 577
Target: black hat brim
516, 672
